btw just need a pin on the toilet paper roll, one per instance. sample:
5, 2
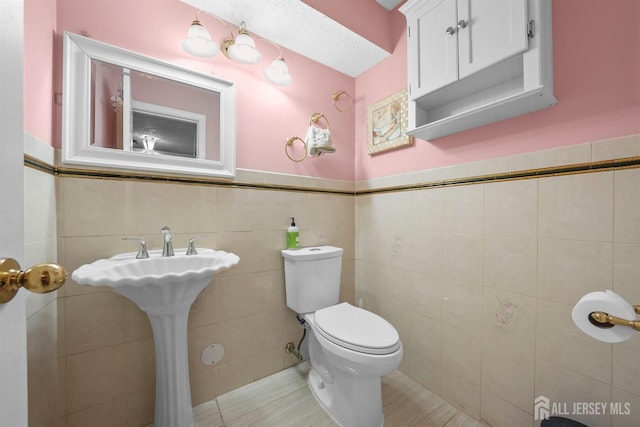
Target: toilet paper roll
609, 302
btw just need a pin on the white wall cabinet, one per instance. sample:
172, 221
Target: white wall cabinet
474, 62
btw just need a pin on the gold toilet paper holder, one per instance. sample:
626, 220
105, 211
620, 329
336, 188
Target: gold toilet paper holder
605, 320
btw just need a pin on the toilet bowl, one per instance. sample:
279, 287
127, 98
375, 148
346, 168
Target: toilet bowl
350, 348
356, 340
348, 361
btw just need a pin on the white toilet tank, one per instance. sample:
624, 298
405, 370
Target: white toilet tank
312, 277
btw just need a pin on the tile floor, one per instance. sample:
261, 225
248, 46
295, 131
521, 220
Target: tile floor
284, 399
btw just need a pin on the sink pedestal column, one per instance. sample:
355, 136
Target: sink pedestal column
173, 392
164, 288
168, 309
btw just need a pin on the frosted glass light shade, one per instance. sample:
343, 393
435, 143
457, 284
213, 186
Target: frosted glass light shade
198, 41
243, 50
278, 73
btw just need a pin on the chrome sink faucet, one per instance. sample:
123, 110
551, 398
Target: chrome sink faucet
167, 247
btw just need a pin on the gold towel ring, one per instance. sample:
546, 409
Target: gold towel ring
290, 142
317, 116
337, 95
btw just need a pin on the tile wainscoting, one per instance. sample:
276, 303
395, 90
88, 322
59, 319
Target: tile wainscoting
476, 266
480, 279
108, 339
105, 342
44, 357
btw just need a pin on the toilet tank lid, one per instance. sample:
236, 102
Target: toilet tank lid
311, 253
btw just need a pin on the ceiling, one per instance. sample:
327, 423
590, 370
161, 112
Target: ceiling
389, 4
302, 29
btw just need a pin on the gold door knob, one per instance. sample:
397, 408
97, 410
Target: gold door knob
41, 278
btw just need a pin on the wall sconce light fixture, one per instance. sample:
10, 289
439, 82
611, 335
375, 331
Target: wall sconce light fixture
240, 49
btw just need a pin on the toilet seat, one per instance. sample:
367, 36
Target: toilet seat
357, 329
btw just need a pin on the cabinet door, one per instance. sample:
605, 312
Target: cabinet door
494, 30
433, 53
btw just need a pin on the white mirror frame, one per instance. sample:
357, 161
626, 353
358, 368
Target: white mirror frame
76, 110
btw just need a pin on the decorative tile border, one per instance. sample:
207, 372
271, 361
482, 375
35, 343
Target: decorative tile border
627, 163
65, 172
604, 155
69, 172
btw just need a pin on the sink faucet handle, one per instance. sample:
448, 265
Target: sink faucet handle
167, 247
166, 233
142, 250
191, 249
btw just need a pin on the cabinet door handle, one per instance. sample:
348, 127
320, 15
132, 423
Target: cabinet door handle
450, 31
462, 24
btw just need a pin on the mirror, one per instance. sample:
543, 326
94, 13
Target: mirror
121, 110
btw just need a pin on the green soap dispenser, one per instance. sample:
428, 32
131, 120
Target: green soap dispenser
293, 237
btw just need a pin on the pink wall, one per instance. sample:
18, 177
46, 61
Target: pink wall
39, 61
596, 67
266, 115
596, 79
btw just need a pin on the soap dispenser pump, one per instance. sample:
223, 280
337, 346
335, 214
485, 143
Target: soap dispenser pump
293, 236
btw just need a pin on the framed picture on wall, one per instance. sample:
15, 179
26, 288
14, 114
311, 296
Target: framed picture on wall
387, 123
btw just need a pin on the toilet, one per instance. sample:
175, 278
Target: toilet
350, 349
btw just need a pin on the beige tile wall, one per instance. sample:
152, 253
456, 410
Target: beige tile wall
42, 313
480, 281
108, 344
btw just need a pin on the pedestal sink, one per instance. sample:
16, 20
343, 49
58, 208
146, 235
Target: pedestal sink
165, 288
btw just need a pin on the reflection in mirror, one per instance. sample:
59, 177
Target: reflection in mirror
177, 118
106, 105
143, 113
162, 130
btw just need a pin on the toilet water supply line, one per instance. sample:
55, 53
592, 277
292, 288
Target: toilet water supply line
289, 348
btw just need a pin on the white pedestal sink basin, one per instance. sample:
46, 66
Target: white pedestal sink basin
165, 288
